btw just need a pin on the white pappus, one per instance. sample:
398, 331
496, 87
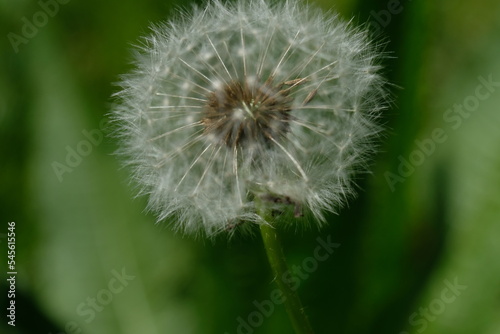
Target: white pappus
241, 106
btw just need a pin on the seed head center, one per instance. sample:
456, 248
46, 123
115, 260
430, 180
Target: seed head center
240, 114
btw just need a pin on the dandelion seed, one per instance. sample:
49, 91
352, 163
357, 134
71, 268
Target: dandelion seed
245, 103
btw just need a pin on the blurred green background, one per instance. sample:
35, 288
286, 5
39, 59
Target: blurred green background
419, 247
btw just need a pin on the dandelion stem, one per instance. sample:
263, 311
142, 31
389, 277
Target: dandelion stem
280, 270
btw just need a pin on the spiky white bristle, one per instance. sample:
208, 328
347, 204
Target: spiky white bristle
250, 102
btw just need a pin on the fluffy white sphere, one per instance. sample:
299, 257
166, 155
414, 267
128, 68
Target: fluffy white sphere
236, 108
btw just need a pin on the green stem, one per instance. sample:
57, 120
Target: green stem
280, 270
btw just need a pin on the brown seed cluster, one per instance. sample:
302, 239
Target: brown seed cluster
238, 114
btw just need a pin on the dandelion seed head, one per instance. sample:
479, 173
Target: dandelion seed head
253, 103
